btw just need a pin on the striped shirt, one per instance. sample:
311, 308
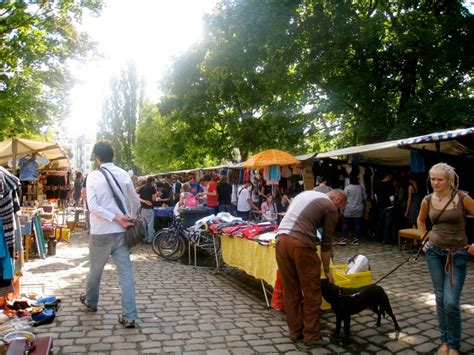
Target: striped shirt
8, 185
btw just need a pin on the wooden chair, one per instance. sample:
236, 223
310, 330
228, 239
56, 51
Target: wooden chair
28, 246
409, 233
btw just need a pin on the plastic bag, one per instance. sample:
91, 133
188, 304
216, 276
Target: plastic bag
357, 263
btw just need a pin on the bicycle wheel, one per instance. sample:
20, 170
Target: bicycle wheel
170, 245
156, 239
165, 243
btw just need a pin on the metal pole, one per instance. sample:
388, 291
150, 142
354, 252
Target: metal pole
265, 293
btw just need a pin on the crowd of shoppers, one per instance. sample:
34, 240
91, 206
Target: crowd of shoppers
446, 249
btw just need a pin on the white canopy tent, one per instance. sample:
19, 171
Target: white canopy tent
397, 152
13, 149
386, 153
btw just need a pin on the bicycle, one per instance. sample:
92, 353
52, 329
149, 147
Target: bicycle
171, 242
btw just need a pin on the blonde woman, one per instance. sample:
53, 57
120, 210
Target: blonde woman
446, 250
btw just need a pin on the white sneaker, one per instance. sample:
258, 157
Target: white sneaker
343, 241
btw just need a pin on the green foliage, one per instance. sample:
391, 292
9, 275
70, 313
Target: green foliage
37, 39
389, 69
235, 89
312, 75
151, 132
120, 114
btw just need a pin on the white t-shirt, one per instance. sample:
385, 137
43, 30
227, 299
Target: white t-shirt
242, 200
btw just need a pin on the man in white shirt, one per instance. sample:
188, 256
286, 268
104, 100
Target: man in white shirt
108, 224
244, 201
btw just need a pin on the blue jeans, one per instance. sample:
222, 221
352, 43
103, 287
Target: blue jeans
384, 226
224, 208
448, 297
346, 221
101, 246
148, 214
244, 215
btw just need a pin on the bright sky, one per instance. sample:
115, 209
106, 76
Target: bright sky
150, 32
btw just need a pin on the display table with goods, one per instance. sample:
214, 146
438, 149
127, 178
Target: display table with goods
256, 257
40, 232
19, 318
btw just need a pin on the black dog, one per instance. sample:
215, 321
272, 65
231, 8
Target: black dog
348, 301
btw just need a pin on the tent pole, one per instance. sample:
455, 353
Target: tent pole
14, 151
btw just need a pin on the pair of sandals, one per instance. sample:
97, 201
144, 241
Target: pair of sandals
126, 323
82, 299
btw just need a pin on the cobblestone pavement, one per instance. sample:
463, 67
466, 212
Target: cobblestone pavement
190, 310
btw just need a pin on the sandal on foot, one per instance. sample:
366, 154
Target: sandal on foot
82, 299
127, 323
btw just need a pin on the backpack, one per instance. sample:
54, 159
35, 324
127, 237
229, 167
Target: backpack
190, 200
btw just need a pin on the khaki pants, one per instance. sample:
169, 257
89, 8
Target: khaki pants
300, 268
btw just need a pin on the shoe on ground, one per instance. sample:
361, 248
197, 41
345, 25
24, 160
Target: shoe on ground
126, 323
296, 339
321, 341
343, 241
82, 299
355, 242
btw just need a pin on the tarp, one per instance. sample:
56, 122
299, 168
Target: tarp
304, 157
386, 153
13, 149
397, 152
447, 142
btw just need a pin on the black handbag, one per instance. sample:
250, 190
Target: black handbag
134, 234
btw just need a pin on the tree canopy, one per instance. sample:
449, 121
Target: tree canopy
120, 114
37, 39
306, 75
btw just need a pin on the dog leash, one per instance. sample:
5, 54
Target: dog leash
423, 241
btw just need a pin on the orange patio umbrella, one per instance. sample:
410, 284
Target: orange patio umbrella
270, 157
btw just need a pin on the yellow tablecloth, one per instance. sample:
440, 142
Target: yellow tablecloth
247, 255
259, 261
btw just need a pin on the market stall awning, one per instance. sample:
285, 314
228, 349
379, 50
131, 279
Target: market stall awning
304, 157
386, 153
448, 142
13, 149
397, 152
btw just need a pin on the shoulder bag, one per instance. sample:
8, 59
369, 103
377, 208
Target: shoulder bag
134, 234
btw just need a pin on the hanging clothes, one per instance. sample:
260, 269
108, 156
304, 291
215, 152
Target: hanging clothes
8, 205
417, 162
273, 175
266, 173
28, 169
8, 186
5, 258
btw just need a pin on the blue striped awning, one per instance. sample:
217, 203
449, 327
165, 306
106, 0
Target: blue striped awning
440, 136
